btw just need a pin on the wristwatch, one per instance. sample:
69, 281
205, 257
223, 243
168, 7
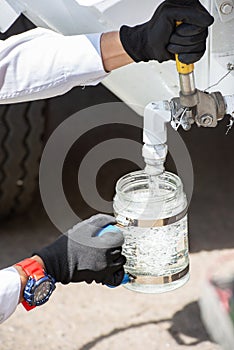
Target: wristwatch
40, 285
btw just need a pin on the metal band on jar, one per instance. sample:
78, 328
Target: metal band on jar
139, 279
126, 222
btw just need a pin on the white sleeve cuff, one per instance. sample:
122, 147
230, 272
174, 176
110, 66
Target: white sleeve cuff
10, 286
95, 40
40, 64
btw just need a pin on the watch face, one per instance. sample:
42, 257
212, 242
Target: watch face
38, 292
42, 291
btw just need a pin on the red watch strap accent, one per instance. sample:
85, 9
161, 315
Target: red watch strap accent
27, 306
32, 268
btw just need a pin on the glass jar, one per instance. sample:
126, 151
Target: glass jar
152, 212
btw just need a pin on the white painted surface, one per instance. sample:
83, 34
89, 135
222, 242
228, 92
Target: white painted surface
137, 84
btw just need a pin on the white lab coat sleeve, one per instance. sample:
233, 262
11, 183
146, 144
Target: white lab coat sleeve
10, 286
41, 63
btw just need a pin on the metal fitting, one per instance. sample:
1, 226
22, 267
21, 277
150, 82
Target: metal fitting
226, 8
187, 84
189, 101
230, 66
210, 110
206, 120
186, 126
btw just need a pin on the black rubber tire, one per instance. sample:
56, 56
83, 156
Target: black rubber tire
21, 130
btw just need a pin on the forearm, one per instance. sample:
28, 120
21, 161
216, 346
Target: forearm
113, 54
68, 61
23, 276
12, 283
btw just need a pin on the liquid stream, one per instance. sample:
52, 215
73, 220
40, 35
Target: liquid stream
154, 189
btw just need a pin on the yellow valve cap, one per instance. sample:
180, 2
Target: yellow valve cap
183, 68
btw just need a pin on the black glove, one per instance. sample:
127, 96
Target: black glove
160, 39
82, 256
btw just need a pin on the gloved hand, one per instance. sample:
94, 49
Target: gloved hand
82, 256
159, 39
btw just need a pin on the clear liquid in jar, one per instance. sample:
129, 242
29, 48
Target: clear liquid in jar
156, 251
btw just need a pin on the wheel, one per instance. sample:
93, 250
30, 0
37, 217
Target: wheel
21, 130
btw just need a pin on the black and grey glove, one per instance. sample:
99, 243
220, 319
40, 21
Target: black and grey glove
159, 39
80, 255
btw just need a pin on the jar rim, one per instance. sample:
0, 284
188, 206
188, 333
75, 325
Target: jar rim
126, 180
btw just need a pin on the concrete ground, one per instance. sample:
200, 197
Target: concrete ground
82, 317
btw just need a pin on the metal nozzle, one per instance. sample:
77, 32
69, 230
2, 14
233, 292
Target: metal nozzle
187, 84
